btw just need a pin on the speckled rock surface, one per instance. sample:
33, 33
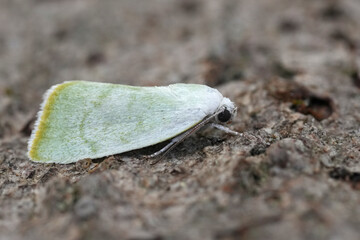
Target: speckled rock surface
292, 68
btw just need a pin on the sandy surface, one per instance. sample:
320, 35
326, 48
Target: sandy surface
292, 68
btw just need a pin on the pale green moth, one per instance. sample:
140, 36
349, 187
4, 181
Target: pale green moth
80, 119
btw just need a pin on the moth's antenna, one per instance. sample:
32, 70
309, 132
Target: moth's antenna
175, 141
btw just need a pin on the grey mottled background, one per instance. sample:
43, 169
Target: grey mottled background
292, 67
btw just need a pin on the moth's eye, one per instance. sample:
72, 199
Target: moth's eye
224, 116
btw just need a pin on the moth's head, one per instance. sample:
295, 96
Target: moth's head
226, 112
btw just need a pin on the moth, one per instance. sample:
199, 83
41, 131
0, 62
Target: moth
80, 119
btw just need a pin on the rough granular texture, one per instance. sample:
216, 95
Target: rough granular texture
292, 68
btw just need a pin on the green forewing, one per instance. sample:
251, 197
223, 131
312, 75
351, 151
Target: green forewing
91, 120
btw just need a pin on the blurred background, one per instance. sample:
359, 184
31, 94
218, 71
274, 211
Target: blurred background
44, 42
292, 67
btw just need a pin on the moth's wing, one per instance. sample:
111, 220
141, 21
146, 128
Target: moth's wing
90, 120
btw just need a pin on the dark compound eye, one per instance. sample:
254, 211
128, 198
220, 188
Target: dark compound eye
224, 116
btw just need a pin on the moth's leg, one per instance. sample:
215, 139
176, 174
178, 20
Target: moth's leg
178, 139
175, 141
247, 135
225, 129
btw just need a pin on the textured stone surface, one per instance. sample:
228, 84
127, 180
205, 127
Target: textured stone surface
292, 67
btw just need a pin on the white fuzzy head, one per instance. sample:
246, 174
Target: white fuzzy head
226, 112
